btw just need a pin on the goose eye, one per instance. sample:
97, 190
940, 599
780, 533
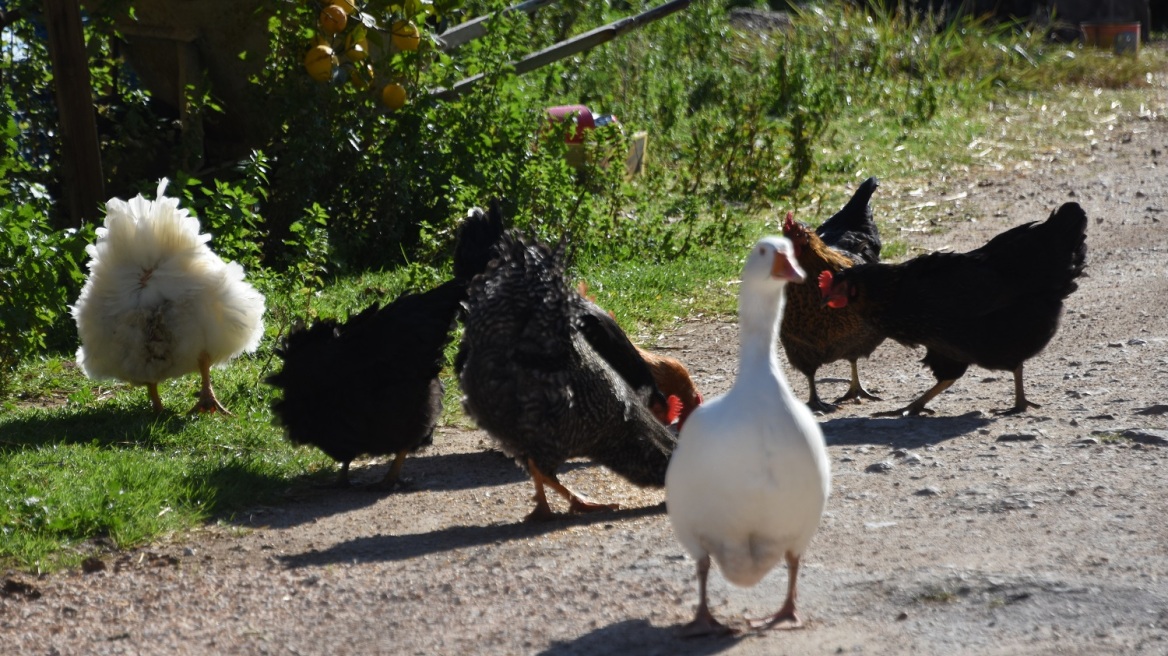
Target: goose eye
762, 250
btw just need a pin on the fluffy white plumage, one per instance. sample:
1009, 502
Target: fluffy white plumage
158, 303
750, 477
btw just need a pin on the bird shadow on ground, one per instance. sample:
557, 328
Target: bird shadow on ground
111, 426
901, 432
392, 548
641, 638
460, 471
315, 496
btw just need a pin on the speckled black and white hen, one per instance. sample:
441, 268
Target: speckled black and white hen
531, 379
370, 385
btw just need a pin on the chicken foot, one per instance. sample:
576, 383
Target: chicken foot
917, 407
1020, 401
856, 390
577, 503
207, 401
703, 623
155, 398
392, 477
814, 403
786, 617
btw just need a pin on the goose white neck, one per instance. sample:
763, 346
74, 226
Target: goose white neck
760, 307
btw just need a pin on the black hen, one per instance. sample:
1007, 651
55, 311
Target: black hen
851, 231
533, 381
996, 306
370, 385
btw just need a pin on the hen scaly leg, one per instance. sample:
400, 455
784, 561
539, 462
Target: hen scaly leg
918, 406
815, 403
393, 476
1020, 402
543, 511
786, 617
207, 401
703, 623
577, 503
155, 399
856, 390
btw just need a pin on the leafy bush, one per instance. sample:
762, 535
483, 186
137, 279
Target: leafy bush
39, 267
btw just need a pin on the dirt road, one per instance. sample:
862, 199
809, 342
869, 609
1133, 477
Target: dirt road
1043, 533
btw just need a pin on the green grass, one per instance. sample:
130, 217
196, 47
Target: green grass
85, 465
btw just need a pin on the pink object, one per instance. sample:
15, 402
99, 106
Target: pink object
580, 114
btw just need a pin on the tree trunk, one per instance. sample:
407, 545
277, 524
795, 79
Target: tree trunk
83, 181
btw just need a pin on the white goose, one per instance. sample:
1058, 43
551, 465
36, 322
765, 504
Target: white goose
750, 476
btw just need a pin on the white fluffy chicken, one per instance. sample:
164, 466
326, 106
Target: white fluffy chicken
158, 303
749, 479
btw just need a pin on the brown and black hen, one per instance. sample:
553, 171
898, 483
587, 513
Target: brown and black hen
813, 335
532, 380
996, 306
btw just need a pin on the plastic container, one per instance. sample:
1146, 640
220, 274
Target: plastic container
1122, 37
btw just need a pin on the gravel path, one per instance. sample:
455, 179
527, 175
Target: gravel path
961, 533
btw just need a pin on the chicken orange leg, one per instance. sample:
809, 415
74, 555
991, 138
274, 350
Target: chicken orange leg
786, 617
207, 401
577, 503
703, 623
155, 399
918, 406
393, 476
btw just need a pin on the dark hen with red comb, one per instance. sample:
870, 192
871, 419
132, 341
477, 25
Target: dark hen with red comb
995, 307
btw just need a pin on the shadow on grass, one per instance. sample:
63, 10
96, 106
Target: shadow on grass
641, 638
393, 548
110, 426
900, 432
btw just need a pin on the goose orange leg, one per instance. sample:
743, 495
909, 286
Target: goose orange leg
786, 617
703, 623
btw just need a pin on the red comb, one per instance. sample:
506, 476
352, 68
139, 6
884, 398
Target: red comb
674, 412
825, 280
789, 223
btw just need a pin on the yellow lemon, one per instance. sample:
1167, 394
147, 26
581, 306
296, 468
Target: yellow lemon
393, 96
319, 63
333, 19
347, 5
405, 35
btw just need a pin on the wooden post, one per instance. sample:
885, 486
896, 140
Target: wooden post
84, 183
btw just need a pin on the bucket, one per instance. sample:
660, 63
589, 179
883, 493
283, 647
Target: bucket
1122, 37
